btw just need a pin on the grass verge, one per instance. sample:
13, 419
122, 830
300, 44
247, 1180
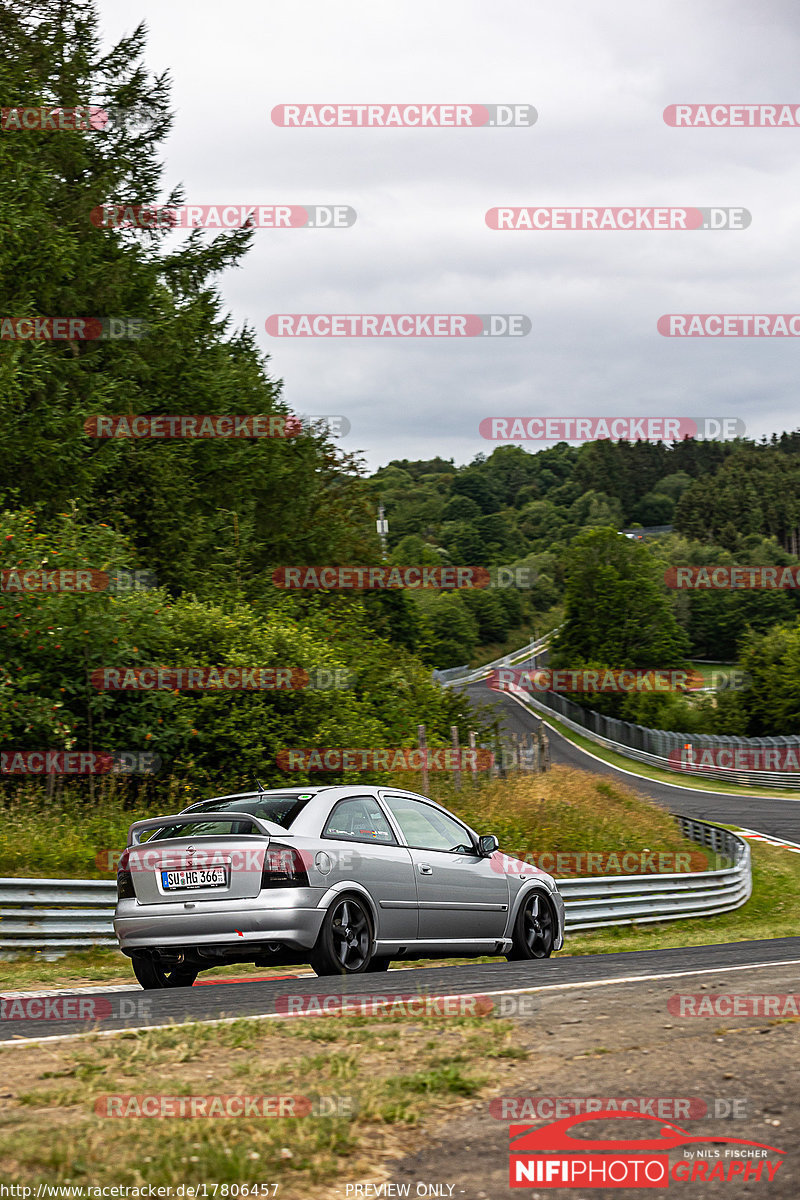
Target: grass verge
384, 1076
563, 809
772, 911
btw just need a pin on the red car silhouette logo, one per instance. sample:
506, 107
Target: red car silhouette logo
555, 1137
550, 1156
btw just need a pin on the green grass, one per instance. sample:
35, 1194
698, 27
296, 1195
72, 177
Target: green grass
563, 810
707, 670
64, 838
560, 810
30, 969
381, 1096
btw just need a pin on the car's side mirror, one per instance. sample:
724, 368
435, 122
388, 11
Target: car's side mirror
487, 845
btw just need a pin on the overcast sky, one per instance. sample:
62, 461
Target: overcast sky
599, 77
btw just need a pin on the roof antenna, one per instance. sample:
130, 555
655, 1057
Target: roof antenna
260, 785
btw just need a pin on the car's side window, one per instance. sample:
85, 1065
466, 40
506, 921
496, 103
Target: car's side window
359, 819
426, 828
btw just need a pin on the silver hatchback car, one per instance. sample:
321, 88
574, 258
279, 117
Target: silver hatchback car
344, 878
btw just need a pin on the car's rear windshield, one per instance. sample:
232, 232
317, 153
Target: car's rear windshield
281, 810
196, 829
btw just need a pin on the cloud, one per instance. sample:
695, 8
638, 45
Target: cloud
600, 79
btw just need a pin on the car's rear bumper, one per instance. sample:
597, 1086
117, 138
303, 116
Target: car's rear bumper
291, 921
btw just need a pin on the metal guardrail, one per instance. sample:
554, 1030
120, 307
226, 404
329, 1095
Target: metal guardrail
641, 899
555, 705
47, 914
56, 915
450, 674
517, 658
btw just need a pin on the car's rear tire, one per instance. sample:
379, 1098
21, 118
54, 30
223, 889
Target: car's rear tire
343, 945
534, 929
151, 974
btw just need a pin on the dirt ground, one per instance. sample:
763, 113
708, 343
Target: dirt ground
622, 1041
614, 1041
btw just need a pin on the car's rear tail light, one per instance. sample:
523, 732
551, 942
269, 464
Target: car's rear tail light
283, 867
125, 889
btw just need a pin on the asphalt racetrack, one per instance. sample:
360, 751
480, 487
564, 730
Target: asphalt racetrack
768, 814
264, 997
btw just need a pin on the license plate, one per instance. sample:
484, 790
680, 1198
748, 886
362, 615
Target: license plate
175, 881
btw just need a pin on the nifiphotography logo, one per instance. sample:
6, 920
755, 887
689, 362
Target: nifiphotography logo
550, 1156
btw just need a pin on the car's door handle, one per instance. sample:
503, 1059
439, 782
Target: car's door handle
425, 868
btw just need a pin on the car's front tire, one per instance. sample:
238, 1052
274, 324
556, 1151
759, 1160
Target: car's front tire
534, 929
343, 945
151, 975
